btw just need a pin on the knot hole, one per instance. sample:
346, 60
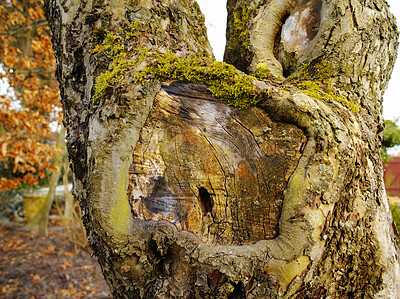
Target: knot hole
205, 200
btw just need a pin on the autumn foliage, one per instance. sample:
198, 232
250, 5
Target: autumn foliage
31, 105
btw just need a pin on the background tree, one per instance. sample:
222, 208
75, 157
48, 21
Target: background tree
186, 196
391, 138
32, 103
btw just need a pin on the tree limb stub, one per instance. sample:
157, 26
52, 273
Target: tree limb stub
236, 197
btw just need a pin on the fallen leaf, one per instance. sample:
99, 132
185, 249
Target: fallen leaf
35, 277
23, 246
48, 250
66, 265
14, 244
85, 281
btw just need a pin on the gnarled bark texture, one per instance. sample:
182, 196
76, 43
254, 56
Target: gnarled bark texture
184, 196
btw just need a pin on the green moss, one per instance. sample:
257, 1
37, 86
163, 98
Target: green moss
240, 32
320, 91
113, 76
115, 50
131, 30
323, 71
120, 214
238, 52
121, 60
316, 82
224, 80
262, 72
311, 88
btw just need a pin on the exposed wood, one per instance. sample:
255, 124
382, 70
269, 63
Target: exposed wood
212, 169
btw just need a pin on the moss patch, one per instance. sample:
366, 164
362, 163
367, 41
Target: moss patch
120, 214
121, 61
262, 72
238, 51
316, 81
224, 80
240, 32
141, 63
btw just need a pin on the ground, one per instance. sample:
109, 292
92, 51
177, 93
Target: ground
53, 267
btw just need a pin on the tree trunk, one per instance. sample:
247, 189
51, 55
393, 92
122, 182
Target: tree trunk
69, 200
185, 196
54, 177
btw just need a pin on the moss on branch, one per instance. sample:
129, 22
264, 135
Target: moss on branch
224, 80
316, 81
145, 63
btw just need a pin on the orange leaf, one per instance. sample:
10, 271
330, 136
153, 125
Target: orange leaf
69, 253
23, 246
35, 277
14, 244
48, 250
37, 46
32, 13
66, 265
18, 159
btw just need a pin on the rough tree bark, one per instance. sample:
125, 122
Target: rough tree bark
184, 196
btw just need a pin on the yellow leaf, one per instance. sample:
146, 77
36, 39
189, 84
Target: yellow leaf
37, 46
32, 13
18, 159
4, 149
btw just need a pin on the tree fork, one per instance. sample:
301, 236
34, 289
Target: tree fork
163, 230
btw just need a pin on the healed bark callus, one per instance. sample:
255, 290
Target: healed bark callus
278, 32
